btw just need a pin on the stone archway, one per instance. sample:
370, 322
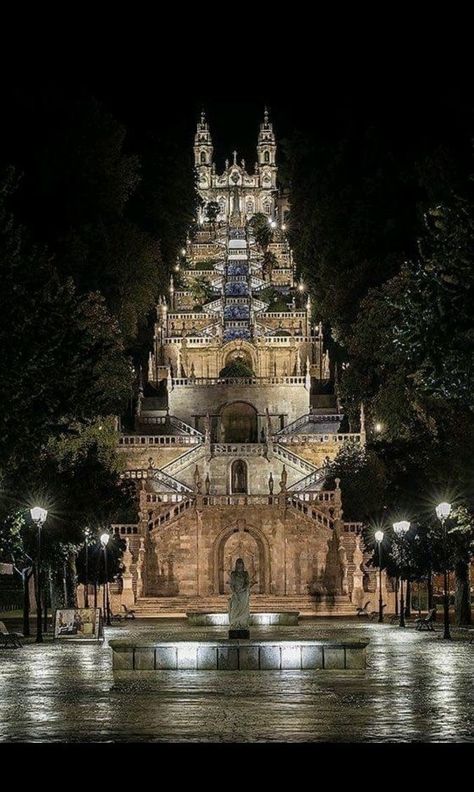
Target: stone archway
239, 423
241, 541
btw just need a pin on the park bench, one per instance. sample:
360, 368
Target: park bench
374, 614
363, 611
8, 638
426, 622
128, 614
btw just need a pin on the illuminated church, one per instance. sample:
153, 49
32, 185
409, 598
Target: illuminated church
236, 420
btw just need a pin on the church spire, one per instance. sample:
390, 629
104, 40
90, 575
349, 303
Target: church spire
203, 149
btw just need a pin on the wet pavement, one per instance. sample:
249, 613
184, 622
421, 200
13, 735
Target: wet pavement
417, 687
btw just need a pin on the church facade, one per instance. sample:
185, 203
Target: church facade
238, 194
235, 423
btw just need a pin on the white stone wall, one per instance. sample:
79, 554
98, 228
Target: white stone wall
292, 401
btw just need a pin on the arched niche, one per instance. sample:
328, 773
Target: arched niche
239, 477
239, 423
248, 543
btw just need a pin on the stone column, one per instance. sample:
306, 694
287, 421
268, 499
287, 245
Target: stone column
140, 562
127, 598
358, 584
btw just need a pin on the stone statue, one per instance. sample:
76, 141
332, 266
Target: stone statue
207, 484
197, 481
284, 479
270, 484
207, 429
239, 606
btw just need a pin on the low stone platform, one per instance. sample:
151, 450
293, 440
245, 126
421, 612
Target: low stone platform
198, 619
146, 658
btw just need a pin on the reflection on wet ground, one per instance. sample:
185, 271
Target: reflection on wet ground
417, 688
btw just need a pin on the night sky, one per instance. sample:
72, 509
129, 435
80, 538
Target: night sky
324, 96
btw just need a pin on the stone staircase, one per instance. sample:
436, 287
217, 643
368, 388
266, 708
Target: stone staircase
176, 607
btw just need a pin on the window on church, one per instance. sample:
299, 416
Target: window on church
203, 157
266, 156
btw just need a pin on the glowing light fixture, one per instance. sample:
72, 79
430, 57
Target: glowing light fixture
401, 527
378, 536
38, 515
105, 539
378, 427
443, 510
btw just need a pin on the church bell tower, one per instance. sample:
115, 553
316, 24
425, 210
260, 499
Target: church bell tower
203, 152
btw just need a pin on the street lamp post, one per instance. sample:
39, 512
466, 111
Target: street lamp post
401, 529
379, 539
87, 534
443, 510
104, 541
38, 515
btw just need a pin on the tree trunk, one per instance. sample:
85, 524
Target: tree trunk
396, 595
408, 599
429, 586
57, 589
45, 601
71, 581
26, 575
462, 599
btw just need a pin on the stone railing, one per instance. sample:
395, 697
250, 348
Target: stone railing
192, 340
161, 440
214, 305
324, 496
240, 449
158, 498
283, 340
173, 421
300, 439
157, 475
176, 511
199, 273
237, 278
242, 499
316, 477
183, 461
259, 305
311, 512
126, 529
293, 459
285, 314
238, 300
310, 418
353, 527
244, 381
175, 317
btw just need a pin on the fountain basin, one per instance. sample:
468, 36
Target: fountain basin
132, 659
199, 619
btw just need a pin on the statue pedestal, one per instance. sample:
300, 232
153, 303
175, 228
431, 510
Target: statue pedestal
127, 596
239, 634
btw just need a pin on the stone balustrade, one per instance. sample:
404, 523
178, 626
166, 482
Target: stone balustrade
353, 527
302, 439
185, 315
251, 381
165, 497
161, 440
191, 340
126, 529
239, 449
285, 315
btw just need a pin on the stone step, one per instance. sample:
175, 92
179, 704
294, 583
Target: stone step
163, 606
